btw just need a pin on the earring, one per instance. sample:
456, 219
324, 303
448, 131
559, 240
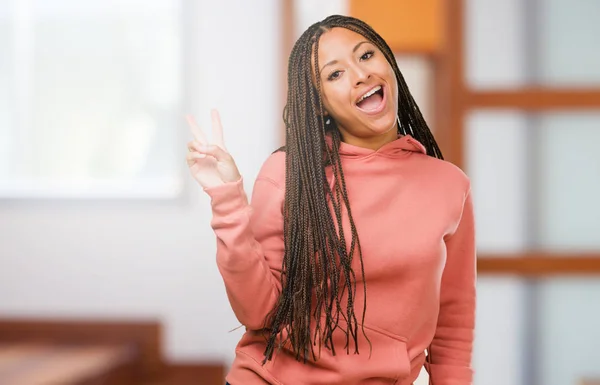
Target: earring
328, 121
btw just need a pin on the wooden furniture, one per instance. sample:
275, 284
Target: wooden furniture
86, 352
57, 352
29, 363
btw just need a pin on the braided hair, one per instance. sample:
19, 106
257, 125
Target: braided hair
317, 263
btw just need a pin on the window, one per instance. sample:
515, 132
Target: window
91, 98
530, 113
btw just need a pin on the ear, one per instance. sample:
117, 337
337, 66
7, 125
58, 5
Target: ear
325, 113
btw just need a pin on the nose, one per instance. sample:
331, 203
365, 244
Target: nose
360, 75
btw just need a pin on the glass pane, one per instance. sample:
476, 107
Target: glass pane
513, 43
535, 180
569, 316
568, 169
496, 150
568, 46
500, 326
307, 12
494, 43
105, 95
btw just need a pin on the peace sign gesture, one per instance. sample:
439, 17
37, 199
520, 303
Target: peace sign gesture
210, 163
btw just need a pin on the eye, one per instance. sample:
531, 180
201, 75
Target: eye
334, 75
367, 55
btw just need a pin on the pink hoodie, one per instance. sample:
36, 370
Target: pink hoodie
414, 217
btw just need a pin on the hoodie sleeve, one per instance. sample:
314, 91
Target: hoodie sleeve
451, 348
250, 245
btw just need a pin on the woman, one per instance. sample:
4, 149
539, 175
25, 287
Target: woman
360, 305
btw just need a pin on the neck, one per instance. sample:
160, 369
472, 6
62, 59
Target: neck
374, 142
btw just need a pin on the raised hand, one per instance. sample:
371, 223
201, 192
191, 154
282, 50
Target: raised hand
209, 162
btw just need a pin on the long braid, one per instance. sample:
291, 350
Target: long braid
317, 261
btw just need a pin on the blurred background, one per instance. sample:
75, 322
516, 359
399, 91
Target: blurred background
107, 258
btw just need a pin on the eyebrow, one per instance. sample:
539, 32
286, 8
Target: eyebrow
356, 47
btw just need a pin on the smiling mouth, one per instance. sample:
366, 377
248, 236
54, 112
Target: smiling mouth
373, 101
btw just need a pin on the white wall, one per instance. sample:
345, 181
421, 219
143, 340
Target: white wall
156, 259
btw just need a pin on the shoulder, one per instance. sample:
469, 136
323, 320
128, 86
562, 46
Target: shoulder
443, 173
452, 174
443, 182
273, 170
444, 187
268, 193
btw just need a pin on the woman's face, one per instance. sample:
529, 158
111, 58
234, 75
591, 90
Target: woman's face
359, 88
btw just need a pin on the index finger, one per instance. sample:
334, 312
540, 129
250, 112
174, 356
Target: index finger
196, 131
217, 129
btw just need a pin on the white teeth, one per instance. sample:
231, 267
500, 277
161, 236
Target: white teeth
369, 94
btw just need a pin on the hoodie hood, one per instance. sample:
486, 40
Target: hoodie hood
397, 147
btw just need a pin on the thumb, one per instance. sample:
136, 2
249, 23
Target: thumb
217, 152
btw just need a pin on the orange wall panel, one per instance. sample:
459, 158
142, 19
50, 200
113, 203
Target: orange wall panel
406, 25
